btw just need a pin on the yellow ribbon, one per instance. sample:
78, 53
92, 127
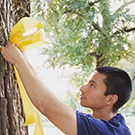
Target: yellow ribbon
27, 33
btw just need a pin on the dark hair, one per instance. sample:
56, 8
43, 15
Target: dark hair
117, 82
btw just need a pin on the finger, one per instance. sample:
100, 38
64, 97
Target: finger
2, 51
9, 46
8, 43
2, 48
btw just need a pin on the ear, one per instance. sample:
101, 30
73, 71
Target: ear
112, 99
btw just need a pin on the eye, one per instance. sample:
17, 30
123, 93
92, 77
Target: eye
92, 85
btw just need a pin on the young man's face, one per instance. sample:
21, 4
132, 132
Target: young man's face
92, 94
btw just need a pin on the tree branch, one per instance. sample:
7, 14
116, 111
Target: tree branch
91, 54
96, 26
93, 3
122, 31
129, 30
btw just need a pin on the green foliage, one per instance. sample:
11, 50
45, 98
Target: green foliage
72, 99
86, 33
129, 107
83, 32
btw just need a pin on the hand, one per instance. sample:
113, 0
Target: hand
12, 53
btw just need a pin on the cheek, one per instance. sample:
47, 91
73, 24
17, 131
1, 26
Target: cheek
95, 95
92, 96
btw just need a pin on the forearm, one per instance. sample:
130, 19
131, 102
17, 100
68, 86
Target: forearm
38, 93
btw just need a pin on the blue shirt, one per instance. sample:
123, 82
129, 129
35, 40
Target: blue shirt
87, 125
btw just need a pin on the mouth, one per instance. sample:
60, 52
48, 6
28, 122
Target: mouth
82, 96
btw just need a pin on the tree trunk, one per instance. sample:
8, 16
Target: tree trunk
100, 60
11, 109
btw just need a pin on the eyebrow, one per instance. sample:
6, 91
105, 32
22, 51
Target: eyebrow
93, 82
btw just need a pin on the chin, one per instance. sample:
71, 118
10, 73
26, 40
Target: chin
83, 105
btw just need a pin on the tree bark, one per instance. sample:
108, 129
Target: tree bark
11, 109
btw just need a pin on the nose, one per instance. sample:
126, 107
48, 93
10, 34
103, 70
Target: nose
83, 88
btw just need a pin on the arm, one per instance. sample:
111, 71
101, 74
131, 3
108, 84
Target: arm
46, 102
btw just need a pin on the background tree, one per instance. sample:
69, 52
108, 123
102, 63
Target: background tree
86, 34
11, 110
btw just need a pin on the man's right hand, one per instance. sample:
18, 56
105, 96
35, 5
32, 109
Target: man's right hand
12, 53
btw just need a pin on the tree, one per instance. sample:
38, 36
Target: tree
85, 33
11, 109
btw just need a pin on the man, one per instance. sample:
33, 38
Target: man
107, 90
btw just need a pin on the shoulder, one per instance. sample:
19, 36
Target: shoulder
118, 120
87, 125
83, 117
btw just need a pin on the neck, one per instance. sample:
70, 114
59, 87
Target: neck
105, 115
